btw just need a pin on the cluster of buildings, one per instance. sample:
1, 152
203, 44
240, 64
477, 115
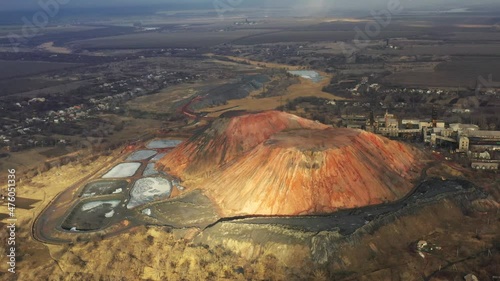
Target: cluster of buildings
25, 120
481, 147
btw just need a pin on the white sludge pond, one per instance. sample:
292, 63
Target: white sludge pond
123, 170
133, 182
147, 190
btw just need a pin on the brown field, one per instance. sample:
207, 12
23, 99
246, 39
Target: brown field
10, 69
164, 40
461, 72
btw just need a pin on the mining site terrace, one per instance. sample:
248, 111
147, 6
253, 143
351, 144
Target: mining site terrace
251, 141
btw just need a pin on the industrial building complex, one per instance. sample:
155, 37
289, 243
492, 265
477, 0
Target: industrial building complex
481, 147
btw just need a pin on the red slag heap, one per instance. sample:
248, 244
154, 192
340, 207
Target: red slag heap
274, 163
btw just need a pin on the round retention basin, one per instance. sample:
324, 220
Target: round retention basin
147, 190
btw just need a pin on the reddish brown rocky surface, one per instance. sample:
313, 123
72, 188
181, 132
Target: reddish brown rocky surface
226, 139
274, 163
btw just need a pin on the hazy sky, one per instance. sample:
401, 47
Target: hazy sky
308, 4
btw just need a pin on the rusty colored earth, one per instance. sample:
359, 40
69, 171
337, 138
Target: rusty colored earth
274, 163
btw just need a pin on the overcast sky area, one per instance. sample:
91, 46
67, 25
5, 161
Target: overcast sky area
6, 5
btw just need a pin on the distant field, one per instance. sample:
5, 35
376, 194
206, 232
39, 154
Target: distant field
476, 36
69, 28
471, 66
316, 36
32, 87
164, 40
6, 30
463, 72
10, 69
485, 49
63, 35
437, 28
428, 79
